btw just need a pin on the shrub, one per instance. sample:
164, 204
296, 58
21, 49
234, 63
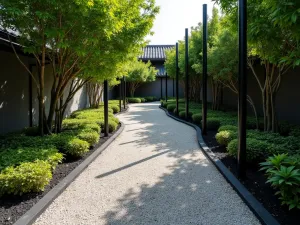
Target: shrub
143, 100
150, 99
89, 136
112, 126
295, 131
31, 131
115, 108
14, 157
171, 108
76, 147
134, 100
197, 118
284, 128
92, 126
228, 127
164, 104
224, 137
213, 123
27, 177
182, 114
283, 173
180, 109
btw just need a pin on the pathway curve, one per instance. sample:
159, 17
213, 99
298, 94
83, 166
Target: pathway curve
153, 173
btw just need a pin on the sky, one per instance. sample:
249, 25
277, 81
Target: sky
174, 17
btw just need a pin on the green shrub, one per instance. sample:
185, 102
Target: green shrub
213, 123
89, 136
295, 131
226, 136
228, 127
115, 108
76, 147
134, 100
27, 177
31, 131
182, 114
197, 118
143, 100
92, 126
284, 128
14, 157
283, 174
164, 104
112, 126
171, 108
150, 99
180, 109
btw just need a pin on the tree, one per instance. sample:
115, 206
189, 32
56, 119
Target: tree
139, 72
76, 38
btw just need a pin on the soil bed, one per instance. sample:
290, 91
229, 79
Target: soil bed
255, 182
13, 207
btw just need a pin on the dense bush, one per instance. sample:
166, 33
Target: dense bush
89, 136
180, 109
213, 123
182, 114
171, 107
31, 131
295, 131
134, 100
75, 147
143, 100
27, 177
150, 99
283, 174
197, 118
115, 108
225, 136
228, 127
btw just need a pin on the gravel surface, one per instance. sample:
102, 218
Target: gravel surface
153, 173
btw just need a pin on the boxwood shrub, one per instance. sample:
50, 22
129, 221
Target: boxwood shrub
225, 136
182, 114
115, 108
197, 118
89, 136
143, 100
213, 123
134, 100
171, 107
228, 127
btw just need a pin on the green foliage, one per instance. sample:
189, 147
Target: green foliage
115, 108
228, 127
225, 137
143, 100
75, 147
213, 123
112, 126
150, 99
182, 114
27, 177
171, 107
134, 100
197, 118
283, 174
89, 136
31, 131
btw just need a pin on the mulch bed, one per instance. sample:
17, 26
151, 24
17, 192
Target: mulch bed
13, 207
255, 182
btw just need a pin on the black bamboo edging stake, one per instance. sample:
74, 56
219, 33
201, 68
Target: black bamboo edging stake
161, 97
204, 72
177, 74
120, 95
166, 87
242, 107
173, 87
124, 92
105, 108
187, 88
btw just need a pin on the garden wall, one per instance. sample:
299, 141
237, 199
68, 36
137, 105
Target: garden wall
15, 92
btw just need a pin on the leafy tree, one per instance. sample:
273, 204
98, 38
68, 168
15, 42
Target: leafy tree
139, 72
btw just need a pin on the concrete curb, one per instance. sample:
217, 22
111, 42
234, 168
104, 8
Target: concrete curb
255, 206
32, 214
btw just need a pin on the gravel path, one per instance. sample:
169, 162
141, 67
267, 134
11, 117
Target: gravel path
153, 173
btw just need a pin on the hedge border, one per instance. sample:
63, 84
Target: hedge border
255, 206
32, 214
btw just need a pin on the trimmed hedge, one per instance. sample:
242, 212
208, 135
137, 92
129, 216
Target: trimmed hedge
197, 118
134, 100
213, 123
225, 137
182, 114
227, 128
171, 108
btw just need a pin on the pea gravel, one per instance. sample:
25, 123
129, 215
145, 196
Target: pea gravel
153, 173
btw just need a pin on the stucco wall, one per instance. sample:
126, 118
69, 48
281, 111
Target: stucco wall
14, 94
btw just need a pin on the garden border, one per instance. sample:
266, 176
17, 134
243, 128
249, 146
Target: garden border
255, 206
36, 210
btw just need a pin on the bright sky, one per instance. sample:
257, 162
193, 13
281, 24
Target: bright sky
174, 17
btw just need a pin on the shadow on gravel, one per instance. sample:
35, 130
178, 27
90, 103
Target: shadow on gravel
190, 193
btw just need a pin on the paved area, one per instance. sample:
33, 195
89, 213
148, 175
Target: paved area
153, 173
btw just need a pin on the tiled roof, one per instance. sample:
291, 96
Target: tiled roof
155, 52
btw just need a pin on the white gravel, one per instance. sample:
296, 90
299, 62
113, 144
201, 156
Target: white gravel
153, 173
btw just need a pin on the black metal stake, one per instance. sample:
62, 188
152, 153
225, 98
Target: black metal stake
166, 87
173, 88
187, 73
242, 107
177, 76
204, 72
161, 88
105, 108
124, 93
120, 95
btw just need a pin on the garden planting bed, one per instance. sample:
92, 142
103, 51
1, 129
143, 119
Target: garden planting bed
255, 182
13, 207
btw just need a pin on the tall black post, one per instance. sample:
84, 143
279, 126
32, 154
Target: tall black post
187, 74
204, 72
161, 88
106, 108
177, 77
166, 87
120, 94
124, 92
242, 108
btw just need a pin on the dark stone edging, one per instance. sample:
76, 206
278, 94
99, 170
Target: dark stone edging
255, 206
32, 214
